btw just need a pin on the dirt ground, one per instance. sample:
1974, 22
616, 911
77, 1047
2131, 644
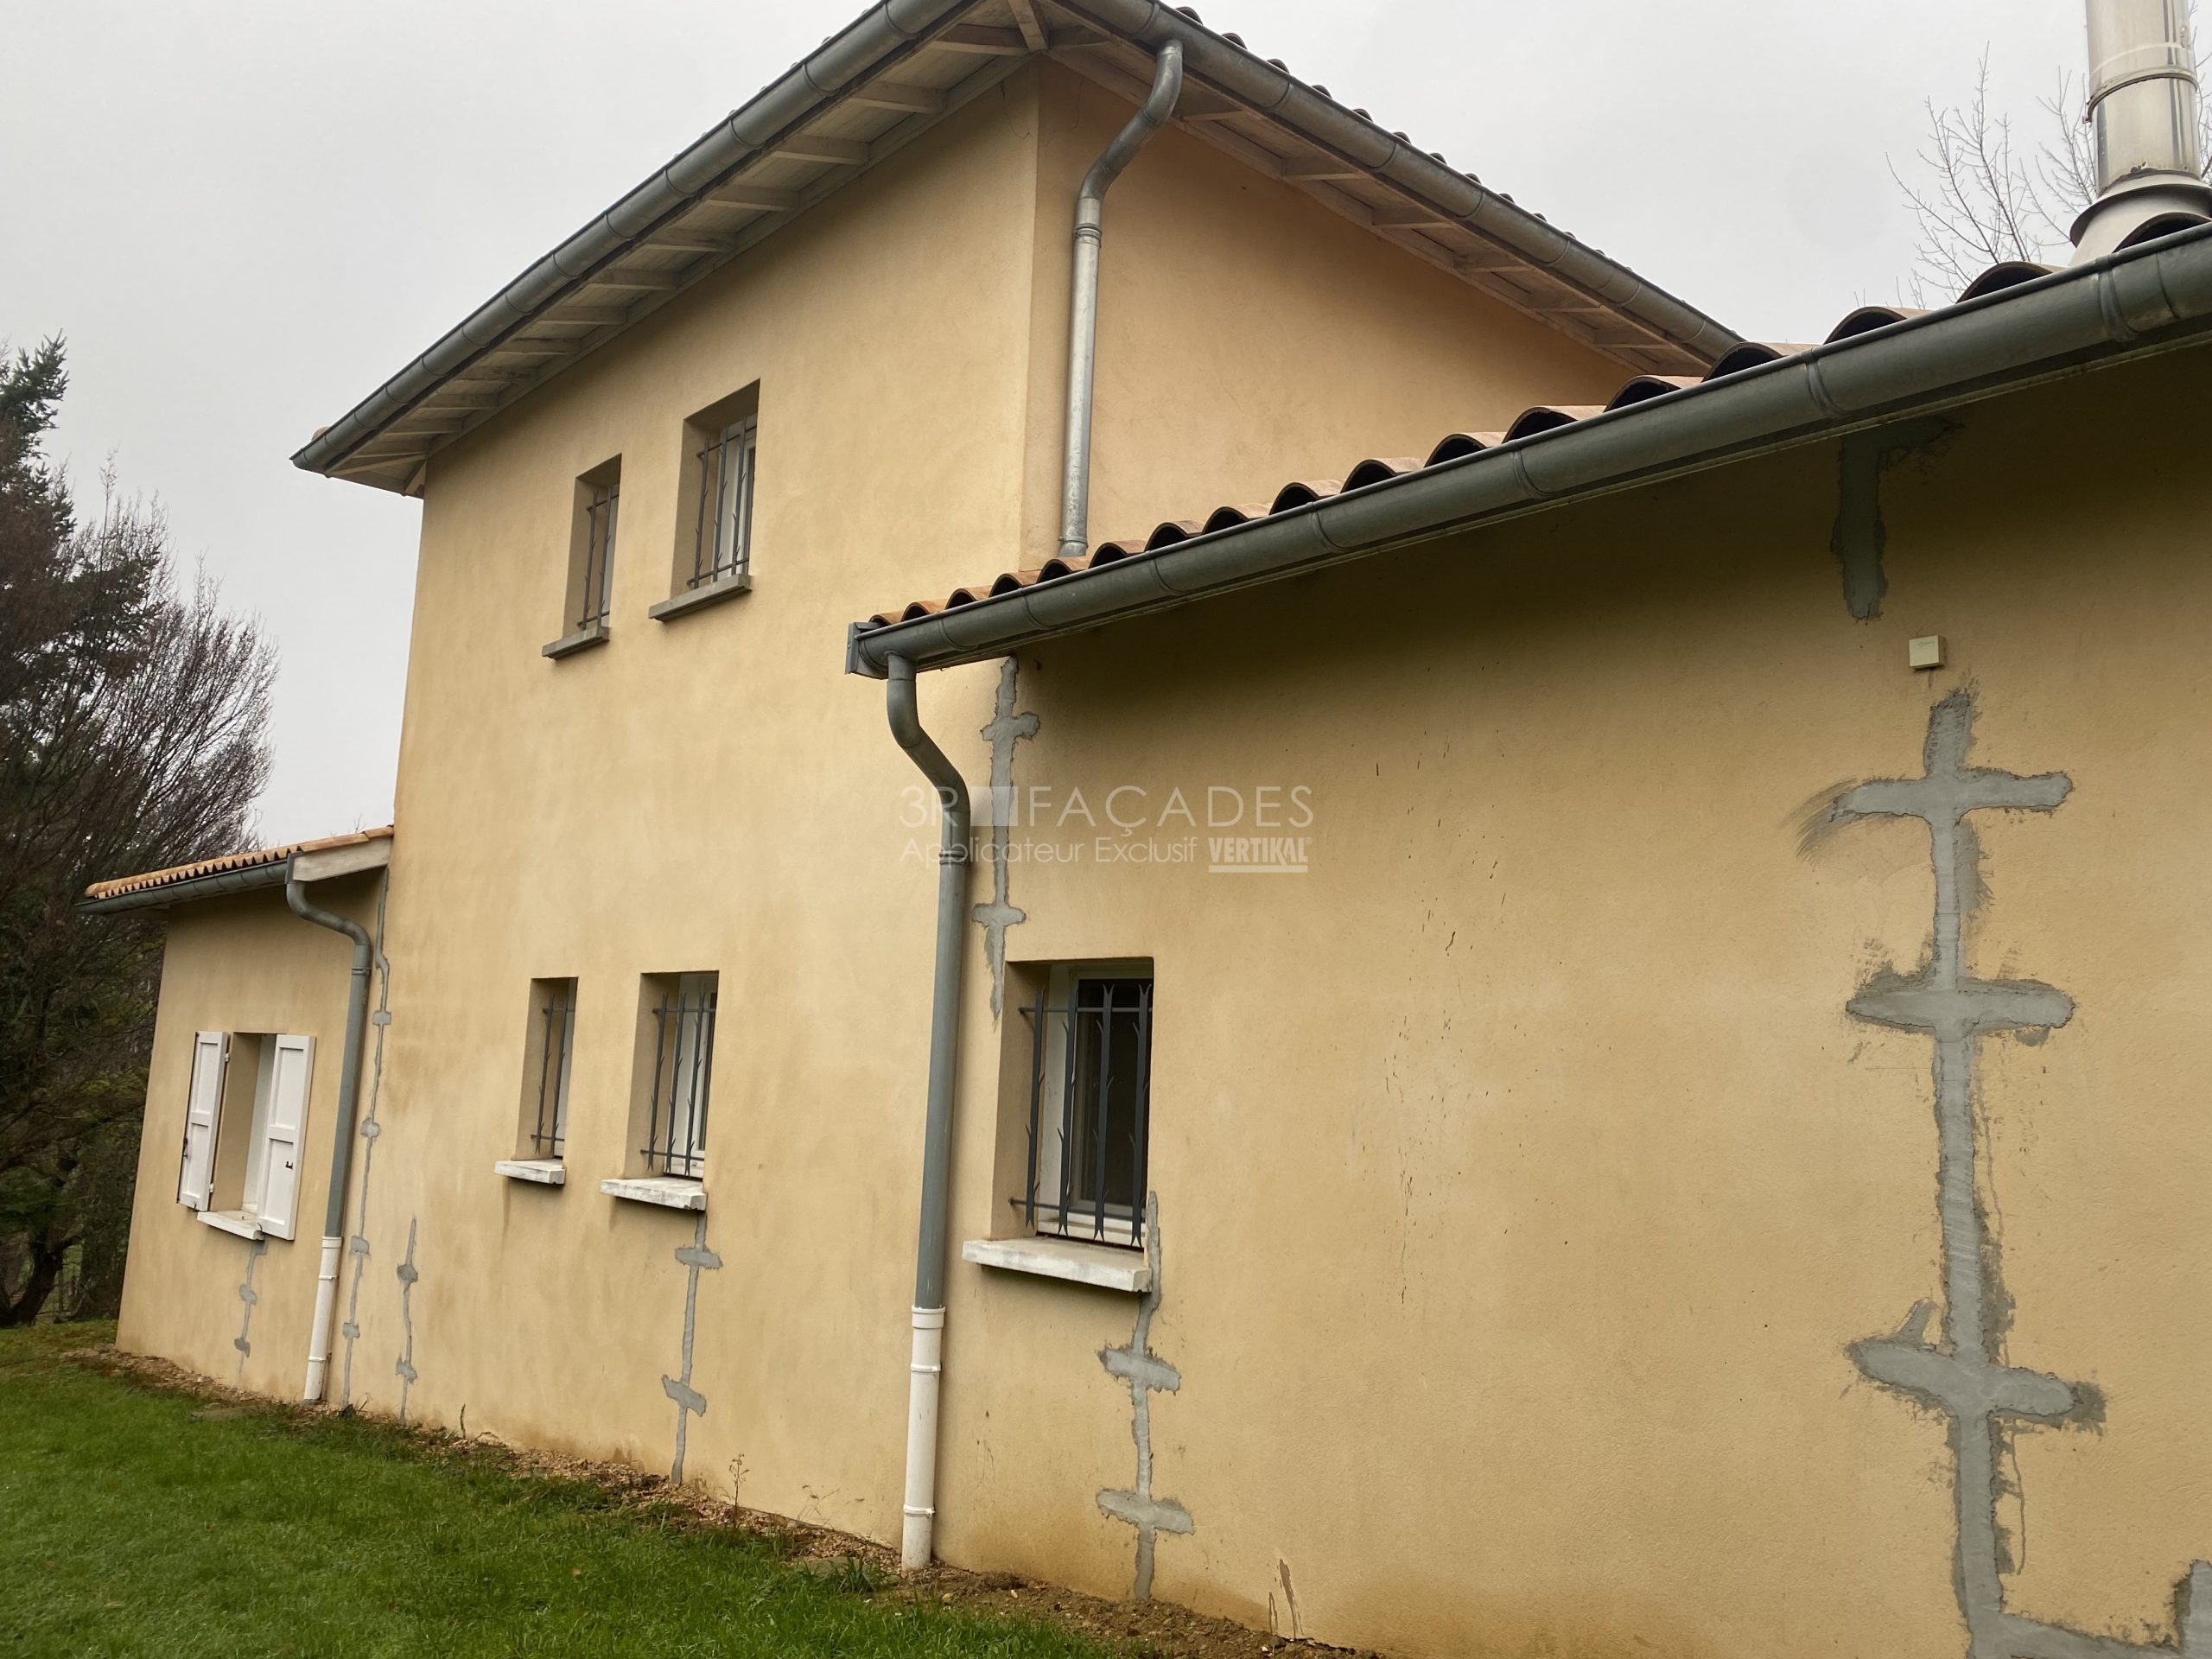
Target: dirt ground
1145, 1629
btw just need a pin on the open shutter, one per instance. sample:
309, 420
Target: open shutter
203, 1111
291, 1062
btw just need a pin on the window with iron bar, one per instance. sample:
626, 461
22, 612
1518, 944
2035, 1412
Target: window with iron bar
551, 1052
1090, 1103
595, 581
722, 544
683, 1075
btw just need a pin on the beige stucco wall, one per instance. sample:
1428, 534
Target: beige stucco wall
712, 793
1523, 1179
244, 963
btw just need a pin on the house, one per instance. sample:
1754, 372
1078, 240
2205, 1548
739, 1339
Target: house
1560, 1017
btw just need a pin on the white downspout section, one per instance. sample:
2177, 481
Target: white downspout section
926, 1371
326, 1307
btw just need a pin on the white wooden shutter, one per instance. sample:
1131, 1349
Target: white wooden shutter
292, 1064
203, 1112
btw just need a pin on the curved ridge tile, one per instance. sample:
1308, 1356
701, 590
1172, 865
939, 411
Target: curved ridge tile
1167, 534
1230, 518
1456, 446
1998, 278
1752, 355
1547, 418
1379, 471
1645, 387
1012, 582
1868, 318
1304, 493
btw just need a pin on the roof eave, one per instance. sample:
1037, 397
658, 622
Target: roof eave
515, 342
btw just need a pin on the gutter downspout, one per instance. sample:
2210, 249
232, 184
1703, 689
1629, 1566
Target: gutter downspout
927, 1368
341, 1145
1082, 302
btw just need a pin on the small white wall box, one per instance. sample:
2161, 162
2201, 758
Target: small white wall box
1929, 650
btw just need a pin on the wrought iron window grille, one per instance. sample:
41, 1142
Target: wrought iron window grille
595, 590
556, 1041
722, 544
683, 1075
1089, 1107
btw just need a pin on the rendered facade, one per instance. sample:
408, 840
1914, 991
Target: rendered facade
1582, 1043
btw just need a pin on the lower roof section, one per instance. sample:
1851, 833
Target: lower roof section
2016, 325
266, 867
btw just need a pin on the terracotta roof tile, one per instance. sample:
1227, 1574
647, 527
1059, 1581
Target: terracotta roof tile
1455, 446
229, 862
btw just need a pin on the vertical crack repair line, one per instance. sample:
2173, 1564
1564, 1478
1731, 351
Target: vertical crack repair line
251, 1297
1964, 1375
408, 1275
1145, 1372
1007, 729
689, 1403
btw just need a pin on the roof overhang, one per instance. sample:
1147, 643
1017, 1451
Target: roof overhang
216, 878
1881, 366
891, 76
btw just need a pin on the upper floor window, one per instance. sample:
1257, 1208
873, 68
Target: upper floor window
720, 481
588, 596
722, 541
1089, 1103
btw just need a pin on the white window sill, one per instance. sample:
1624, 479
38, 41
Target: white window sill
584, 639
664, 1190
546, 1171
699, 598
236, 1222
1100, 1265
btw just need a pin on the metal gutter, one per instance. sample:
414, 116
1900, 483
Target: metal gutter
185, 893
2139, 300
801, 94
1273, 91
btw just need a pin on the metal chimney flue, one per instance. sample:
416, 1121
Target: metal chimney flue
2143, 113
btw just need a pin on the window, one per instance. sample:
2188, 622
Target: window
722, 539
1089, 1103
589, 593
681, 1009
719, 483
245, 1122
550, 1051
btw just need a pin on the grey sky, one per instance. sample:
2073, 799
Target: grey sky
245, 215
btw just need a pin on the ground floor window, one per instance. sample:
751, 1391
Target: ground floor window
683, 1010
550, 1052
245, 1124
1090, 1101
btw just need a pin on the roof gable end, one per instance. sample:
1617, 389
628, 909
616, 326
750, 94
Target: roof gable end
892, 76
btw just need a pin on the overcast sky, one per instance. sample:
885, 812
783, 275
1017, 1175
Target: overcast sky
244, 216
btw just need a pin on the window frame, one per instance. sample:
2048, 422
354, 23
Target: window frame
600, 506
1050, 1206
552, 1005
724, 513
686, 1062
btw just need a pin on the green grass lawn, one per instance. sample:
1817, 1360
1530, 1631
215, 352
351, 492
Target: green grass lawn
130, 1524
